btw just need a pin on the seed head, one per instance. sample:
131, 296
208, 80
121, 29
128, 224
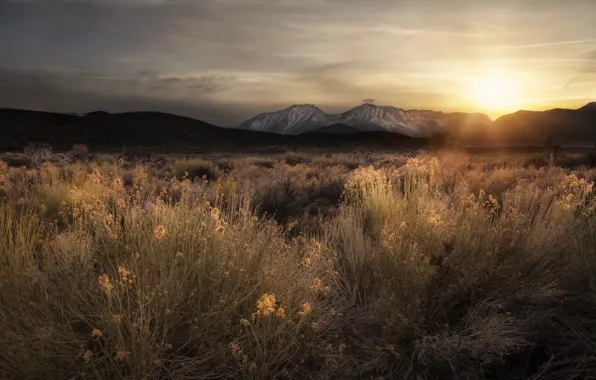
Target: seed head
266, 305
281, 313
104, 282
160, 232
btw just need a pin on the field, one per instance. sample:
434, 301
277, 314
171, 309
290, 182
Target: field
412, 265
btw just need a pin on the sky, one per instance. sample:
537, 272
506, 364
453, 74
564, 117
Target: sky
224, 61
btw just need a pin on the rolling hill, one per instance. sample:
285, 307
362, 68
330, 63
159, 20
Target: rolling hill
165, 132
563, 126
361, 127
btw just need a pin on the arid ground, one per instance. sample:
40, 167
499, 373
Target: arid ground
413, 265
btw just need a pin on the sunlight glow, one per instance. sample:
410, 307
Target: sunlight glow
495, 92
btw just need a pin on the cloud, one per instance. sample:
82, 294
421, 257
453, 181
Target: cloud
266, 53
85, 92
587, 70
547, 44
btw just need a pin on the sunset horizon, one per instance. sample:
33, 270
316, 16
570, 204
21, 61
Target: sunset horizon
298, 189
222, 61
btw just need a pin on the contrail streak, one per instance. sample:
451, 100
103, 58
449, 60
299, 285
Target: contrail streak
550, 44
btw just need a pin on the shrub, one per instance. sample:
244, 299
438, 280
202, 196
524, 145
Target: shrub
279, 198
194, 168
80, 152
171, 290
264, 164
38, 152
225, 166
294, 159
17, 159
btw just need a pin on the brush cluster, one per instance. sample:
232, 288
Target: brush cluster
296, 266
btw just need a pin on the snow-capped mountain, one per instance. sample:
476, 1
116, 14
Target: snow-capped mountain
367, 117
294, 120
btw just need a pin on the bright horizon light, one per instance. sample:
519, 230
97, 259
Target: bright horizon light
495, 93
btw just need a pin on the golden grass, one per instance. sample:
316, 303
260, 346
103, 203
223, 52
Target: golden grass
448, 267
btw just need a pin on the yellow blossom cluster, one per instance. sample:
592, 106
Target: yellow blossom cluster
266, 305
434, 220
159, 232
125, 275
104, 282
305, 310
419, 166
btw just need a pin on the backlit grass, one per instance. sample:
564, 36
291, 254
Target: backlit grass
438, 266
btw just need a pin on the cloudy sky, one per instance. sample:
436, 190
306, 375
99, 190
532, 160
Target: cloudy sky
226, 60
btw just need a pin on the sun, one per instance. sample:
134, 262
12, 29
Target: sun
494, 92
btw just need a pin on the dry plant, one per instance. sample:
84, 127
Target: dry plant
451, 267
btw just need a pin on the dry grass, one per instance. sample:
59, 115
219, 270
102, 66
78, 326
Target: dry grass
297, 266
80, 152
194, 168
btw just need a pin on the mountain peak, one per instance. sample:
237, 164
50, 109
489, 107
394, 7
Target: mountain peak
303, 106
370, 117
370, 106
301, 118
293, 120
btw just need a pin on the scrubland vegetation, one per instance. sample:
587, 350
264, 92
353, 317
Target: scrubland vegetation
421, 265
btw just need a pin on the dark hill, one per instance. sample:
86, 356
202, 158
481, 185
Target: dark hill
165, 132
336, 129
590, 107
563, 126
97, 114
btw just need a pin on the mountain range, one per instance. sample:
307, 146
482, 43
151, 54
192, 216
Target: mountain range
563, 126
364, 126
163, 132
303, 118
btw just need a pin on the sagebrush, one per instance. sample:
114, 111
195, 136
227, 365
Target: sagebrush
443, 265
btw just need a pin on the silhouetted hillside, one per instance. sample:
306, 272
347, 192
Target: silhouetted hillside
563, 126
336, 129
166, 132
162, 131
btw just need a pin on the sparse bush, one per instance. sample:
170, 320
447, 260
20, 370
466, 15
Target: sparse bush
80, 152
227, 191
573, 161
194, 168
537, 160
264, 164
225, 166
279, 198
50, 200
38, 152
294, 159
17, 159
